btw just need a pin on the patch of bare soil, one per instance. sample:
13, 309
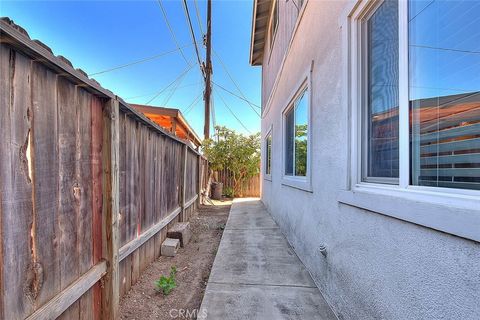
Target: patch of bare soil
193, 264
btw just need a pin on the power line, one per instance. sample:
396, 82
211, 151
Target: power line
174, 81
444, 49
221, 98
234, 94
138, 61
149, 94
192, 33
171, 30
198, 17
214, 121
234, 82
175, 87
195, 101
428, 5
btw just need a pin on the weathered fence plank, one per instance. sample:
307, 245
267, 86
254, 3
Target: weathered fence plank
18, 265
83, 178
110, 237
84, 196
67, 187
45, 155
61, 302
97, 201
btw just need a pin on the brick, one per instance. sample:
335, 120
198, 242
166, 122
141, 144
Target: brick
170, 247
180, 231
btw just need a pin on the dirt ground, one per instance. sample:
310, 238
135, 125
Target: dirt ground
193, 264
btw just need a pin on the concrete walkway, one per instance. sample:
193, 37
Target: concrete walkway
256, 274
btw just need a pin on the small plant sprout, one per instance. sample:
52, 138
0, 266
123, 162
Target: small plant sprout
167, 284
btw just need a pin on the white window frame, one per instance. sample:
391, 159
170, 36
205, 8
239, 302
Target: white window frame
299, 182
455, 211
268, 176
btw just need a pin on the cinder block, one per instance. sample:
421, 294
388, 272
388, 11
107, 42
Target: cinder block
170, 247
180, 231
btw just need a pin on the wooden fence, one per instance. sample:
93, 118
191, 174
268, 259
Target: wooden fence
250, 188
88, 187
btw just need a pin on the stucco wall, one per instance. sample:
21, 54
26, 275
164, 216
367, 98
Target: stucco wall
376, 266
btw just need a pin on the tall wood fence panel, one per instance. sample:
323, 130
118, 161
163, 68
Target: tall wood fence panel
88, 187
250, 188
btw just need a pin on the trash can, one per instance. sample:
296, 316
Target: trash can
217, 190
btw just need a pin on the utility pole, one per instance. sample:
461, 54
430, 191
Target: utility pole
208, 70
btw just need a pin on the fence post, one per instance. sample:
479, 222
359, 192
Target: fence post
199, 180
184, 182
110, 289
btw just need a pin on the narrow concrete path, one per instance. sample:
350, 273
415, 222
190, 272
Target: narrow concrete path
256, 274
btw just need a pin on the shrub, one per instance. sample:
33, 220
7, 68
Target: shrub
167, 284
238, 153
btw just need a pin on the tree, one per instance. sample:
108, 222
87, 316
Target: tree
238, 153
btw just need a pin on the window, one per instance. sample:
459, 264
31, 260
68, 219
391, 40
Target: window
419, 83
273, 23
444, 93
268, 154
414, 88
380, 146
296, 136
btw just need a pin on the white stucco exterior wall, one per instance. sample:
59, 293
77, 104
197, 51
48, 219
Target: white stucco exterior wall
377, 267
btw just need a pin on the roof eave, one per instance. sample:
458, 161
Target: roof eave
252, 34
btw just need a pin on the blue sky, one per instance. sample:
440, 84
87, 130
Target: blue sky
98, 35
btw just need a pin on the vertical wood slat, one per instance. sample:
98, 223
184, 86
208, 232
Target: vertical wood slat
183, 185
67, 189
84, 177
69, 135
45, 161
97, 197
15, 186
110, 236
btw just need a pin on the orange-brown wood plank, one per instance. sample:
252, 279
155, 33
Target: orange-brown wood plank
67, 188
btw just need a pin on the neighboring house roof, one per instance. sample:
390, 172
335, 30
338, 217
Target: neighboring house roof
171, 119
261, 14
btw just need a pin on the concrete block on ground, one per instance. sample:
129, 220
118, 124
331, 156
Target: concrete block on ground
170, 247
180, 231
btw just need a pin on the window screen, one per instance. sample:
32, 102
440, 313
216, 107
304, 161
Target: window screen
381, 145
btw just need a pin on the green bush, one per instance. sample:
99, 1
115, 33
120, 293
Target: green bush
167, 284
228, 191
236, 152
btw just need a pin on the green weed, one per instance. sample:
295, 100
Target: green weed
167, 284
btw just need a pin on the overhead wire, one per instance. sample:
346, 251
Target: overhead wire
192, 33
233, 81
138, 61
195, 101
234, 94
172, 33
151, 93
198, 17
231, 111
175, 87
171, 83
212, 112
